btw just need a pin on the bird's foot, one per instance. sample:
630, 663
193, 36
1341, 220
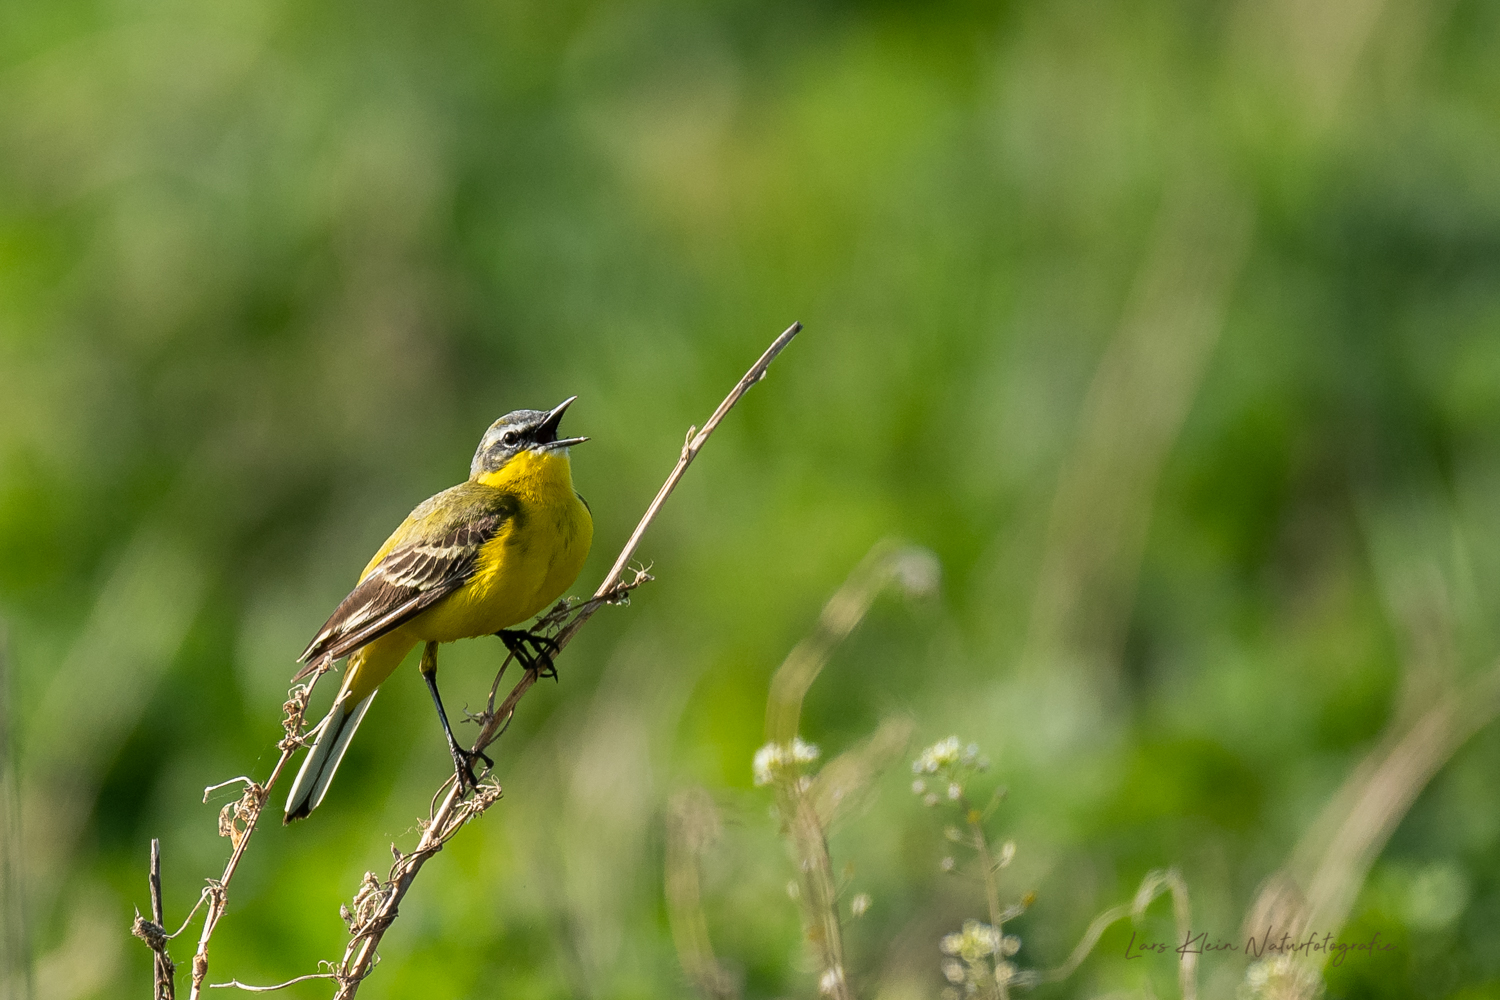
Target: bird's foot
532, 650
463, 766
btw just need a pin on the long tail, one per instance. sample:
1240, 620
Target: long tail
323, 759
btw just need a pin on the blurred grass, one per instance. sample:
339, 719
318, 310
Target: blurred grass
266, 272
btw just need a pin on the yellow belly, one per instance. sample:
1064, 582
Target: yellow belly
521, 572
530, 564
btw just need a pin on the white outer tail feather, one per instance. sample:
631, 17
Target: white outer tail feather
317, 771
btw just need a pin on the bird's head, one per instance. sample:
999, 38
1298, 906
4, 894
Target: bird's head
529, 433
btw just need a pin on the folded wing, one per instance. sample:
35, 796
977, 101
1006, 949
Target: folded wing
410, 579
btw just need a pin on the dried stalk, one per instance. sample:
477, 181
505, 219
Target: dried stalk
237, 820
1153, 885
377, 904
1319, 883
153, 932
798, 797
819, 889
692, 825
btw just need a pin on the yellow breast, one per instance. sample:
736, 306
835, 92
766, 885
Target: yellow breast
531, 561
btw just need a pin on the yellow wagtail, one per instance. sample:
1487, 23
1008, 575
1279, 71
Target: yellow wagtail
473, 560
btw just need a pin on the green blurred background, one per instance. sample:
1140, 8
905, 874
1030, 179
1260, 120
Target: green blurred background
1172, 327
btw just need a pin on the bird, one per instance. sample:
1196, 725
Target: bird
474, 560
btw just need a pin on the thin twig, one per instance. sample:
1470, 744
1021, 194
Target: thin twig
165, 987
241, 780
153, 932
191, 913
237, 985
378, 903
237, 820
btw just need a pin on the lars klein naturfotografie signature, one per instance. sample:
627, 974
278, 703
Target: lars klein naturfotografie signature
1199, 943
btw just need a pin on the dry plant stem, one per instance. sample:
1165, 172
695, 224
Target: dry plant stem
1320, 882
820, 893
165, 988
154, 934
987, 863
887, 561
237, 985
844, 611
238, 820
991, 885
693, 824
1153, 885
369, 924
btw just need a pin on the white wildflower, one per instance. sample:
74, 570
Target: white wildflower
773, 759
860, 904
804, 753
1004, 972
1009, 945
943, 753
918, 787
768, 760
950, 944
830, 981
971, 753
953, 833
1007, 852
930, 799
977, 941
953, 972
955, 790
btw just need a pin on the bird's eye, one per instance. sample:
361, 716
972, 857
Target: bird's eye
509, 438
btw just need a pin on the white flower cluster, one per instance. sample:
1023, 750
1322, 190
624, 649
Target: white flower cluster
946, 754
830, 981
976, 941
977, 944
776, 759
953, 760
943, 753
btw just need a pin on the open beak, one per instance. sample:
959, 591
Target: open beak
546, 432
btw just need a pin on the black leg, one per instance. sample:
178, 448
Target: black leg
463, 760
533, 651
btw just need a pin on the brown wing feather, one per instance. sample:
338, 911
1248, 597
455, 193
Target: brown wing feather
401, 586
